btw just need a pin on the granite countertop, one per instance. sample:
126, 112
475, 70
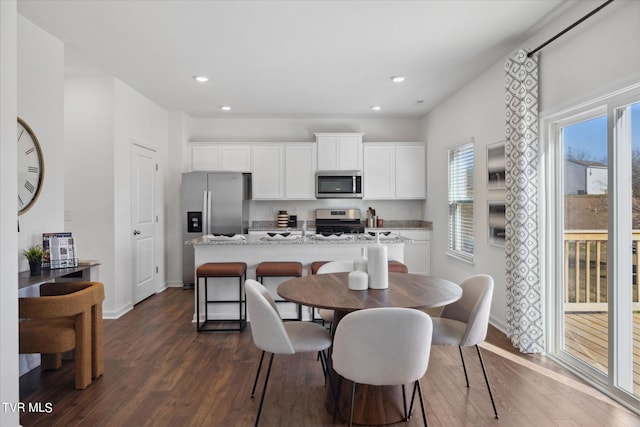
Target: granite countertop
311, 225
308, 240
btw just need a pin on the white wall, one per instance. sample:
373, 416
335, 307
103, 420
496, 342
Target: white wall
103, 117
40, 101
89, 174
302, 129
180, 129
594, 58
9, 392
136, 119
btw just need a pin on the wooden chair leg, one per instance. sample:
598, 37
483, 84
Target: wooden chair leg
50, 361
97, 354
83, 350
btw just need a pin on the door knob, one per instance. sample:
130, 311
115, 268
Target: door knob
136, 232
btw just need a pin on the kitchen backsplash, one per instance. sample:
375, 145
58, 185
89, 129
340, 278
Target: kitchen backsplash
388, 210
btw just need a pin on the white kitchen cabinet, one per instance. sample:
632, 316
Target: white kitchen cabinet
339, 151
284, 171
379, 171
221, 157
417, 253
268, 172
410, 171
394, 171
300, 170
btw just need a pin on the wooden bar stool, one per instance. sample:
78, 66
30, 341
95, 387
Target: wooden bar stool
397, 267
280, 269
394, 267
316, 265
219, 270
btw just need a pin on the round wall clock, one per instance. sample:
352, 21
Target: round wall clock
30, 167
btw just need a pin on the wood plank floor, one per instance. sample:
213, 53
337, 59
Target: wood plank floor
586, 337
160, 372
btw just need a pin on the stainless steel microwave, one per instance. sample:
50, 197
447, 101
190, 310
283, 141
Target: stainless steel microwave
339, 185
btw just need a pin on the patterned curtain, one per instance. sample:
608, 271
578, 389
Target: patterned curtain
524, 293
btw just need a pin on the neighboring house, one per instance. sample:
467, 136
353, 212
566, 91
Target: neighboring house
585, 177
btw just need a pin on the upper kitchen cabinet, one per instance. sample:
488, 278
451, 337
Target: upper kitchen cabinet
411, 171
284, 171
300, 170
268, 172
221, 157
394, 171
339, 151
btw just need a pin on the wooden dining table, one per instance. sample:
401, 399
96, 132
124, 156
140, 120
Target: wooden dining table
374, 405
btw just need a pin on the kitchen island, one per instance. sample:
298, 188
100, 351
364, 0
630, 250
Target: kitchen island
253, 250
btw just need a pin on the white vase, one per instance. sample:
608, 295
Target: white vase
358, 280
378, 267
360, 264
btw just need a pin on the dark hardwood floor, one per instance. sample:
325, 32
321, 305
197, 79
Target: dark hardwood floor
160, 372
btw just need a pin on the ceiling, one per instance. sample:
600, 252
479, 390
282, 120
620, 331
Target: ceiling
290, 58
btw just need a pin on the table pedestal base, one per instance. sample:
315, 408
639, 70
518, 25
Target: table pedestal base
373, 405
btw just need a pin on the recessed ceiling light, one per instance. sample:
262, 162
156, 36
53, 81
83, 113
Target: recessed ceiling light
397, 79
376, 107
201, 79
225, 108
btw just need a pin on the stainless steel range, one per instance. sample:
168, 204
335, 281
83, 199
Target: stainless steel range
336, 221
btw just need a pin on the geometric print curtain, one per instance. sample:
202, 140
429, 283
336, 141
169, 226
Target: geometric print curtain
522, 236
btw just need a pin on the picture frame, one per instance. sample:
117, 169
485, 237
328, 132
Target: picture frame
496, 170
496, 222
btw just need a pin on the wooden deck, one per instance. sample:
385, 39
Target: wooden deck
586, 337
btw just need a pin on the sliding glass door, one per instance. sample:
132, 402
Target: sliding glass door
593, 234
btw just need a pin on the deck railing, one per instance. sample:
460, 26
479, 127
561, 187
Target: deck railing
585, 270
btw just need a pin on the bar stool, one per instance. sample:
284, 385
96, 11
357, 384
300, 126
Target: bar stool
397, 267
280, 269
316, 265
219, 270
394, 267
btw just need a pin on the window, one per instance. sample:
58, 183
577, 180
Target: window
461, 201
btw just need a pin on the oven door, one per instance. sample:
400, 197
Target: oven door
346, 185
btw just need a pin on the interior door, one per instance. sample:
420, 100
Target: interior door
143, 206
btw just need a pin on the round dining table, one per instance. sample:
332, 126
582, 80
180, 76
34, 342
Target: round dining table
374, 405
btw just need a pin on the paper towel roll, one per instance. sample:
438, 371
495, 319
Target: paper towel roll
377, 266
358, 280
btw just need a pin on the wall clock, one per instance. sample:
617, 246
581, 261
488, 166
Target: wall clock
30, 167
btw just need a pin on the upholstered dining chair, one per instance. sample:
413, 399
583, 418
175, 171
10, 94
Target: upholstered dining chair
97, 288
339, 266
383, 346
54, 324
271, 334
465, 322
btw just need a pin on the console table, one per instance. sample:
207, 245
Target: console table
86, 271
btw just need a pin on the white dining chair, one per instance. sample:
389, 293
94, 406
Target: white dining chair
271, 334
383, 346
339, 266
465, 322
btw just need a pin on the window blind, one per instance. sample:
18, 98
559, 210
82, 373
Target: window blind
461, 201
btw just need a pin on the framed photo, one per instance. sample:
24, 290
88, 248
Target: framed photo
496, 222
496, 166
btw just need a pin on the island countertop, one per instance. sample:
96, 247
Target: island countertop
278, 239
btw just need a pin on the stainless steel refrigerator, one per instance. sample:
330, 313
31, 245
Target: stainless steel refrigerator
212, 202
